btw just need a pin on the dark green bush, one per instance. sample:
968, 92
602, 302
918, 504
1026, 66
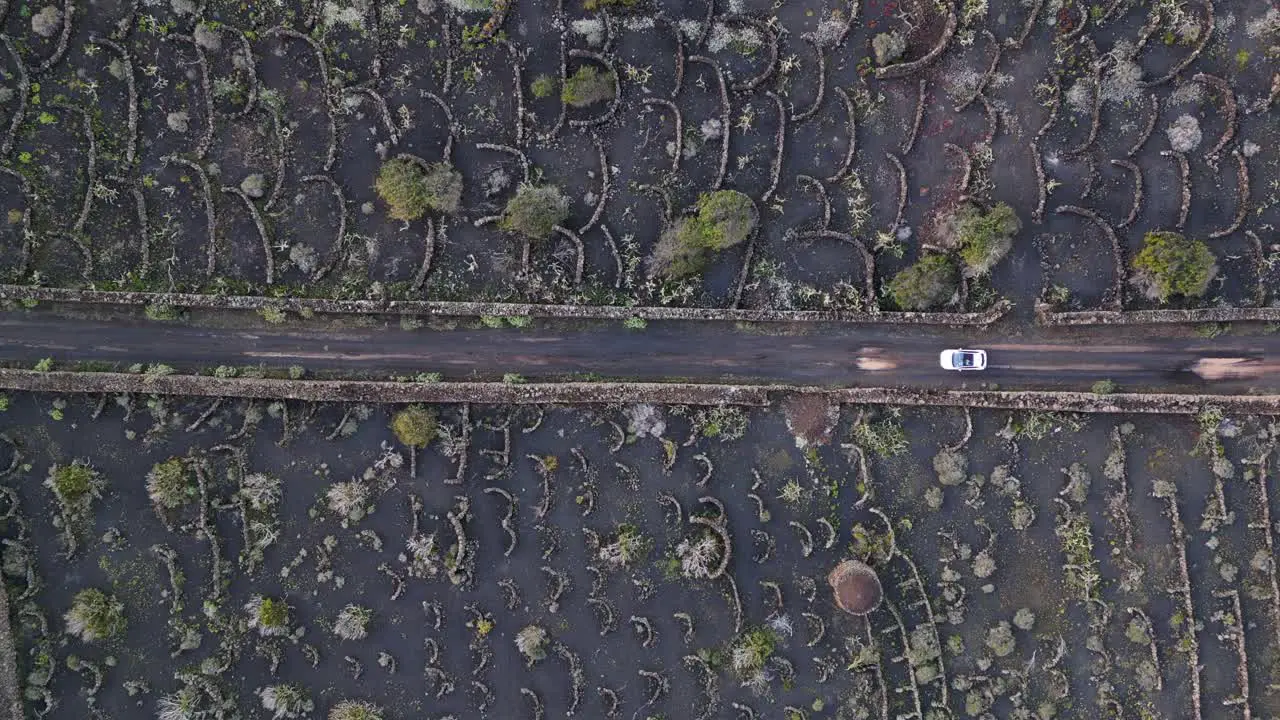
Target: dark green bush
925, 285
725, 218
1171, 264
984, 238
410, 190
587, 86
535, 211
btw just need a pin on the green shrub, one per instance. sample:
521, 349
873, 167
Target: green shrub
724, 218
1171, 264
543, 86
888, 47
1104, 387
273, 613
925, 285
535, 211
95, 615
984, 237
75, 486
410, 189
635, 323
415, 426
169, 484
752, 650
587, 86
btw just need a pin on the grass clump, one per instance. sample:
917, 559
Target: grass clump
169, 484
1104, 387
95, 615
724, 219
984, 237
285, 702
355, 710
347, 500
415, 426
410, 190
885, 438
1171, 264
927, 284
587, 86
352, 622
535, 211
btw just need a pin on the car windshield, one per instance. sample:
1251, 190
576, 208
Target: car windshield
963, 359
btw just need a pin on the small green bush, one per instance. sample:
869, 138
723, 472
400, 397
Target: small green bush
635, 323
1104, 387
1171, 264
724, 218
415, 426
410, 190
535, 211
925, 285
543, 86
587, 86
273, 613
984, 237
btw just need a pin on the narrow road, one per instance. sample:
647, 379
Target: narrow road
707, 352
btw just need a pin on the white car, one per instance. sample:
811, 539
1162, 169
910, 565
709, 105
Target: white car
963, 360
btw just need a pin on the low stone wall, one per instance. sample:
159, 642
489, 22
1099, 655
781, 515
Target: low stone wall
10, 693
1080, 402
428, 308
1045, 316
378, 391
384, 391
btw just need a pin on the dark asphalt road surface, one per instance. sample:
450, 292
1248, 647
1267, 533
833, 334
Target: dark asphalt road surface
707, 352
